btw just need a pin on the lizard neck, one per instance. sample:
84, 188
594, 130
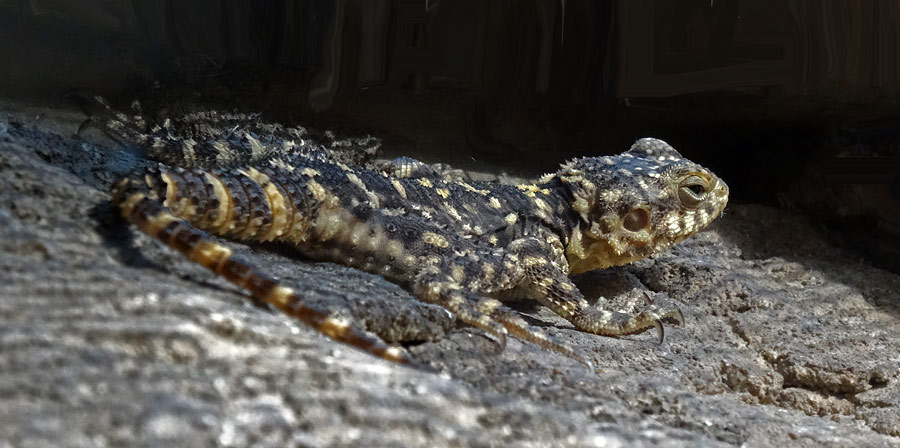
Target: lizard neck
564, 222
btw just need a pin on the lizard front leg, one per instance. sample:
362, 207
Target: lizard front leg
549, 284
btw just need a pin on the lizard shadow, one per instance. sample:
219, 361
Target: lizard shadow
116, 233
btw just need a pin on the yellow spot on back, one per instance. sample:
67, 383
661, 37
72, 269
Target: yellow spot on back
311, 172
435, 240
257, 149
469, 187
494, 202
445, 193
255, 175
612, 195
355, 180
318, 191
225, 153
534, 261
531, 189
458, 273
452, 212
399, 187
424, 182
489, 271
281, 165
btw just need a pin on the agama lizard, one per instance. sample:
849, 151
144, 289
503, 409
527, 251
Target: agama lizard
466, 246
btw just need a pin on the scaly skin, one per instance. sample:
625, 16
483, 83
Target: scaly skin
464, 246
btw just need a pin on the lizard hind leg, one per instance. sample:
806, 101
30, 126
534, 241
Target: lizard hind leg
516, 325
117, 125
487, 313
141, 205
433, 287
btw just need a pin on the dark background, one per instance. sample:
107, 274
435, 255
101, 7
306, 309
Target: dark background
793, 103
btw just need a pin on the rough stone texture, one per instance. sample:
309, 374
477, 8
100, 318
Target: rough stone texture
109, 339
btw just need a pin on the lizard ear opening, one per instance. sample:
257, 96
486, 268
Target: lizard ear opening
636, 220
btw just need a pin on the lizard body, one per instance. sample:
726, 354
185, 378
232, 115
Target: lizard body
466, 246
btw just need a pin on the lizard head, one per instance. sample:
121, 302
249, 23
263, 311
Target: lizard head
637, 203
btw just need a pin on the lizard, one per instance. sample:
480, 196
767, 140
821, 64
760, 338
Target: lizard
467, 246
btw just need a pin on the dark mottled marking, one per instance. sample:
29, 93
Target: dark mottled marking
462, 245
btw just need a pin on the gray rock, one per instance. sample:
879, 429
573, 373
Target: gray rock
109, 339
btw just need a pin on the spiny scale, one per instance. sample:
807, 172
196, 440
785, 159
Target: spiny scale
465, 246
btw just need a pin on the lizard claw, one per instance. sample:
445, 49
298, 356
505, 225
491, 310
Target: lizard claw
501, 341
496, 334
85, 125
659, 330
677, 317
584, 361
647, 299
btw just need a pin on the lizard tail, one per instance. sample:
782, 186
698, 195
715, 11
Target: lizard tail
143, 202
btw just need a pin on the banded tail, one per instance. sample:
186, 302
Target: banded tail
146, 203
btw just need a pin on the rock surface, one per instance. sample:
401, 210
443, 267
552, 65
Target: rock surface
108, 339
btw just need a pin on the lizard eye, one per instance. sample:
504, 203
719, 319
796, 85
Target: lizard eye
692, 191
